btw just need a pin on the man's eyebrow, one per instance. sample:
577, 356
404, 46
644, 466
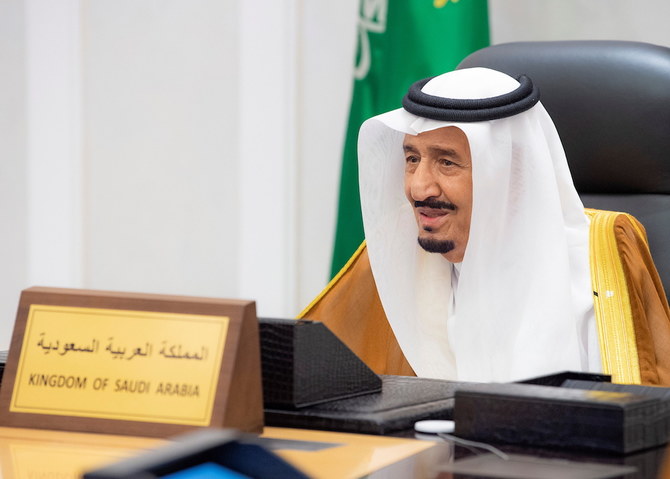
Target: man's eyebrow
435, 150
439, 151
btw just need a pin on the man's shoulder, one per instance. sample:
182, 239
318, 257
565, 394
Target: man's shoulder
630, 304
618, 223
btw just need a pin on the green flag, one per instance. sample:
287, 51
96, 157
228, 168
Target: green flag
399, 42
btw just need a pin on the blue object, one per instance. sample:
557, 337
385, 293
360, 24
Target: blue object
206, 470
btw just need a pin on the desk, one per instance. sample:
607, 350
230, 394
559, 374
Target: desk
358, 455
40, 454
32, 453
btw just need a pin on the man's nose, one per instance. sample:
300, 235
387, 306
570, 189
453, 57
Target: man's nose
423, 184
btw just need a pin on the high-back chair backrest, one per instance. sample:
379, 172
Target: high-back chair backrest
610, 102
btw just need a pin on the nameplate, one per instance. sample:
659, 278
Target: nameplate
131, 364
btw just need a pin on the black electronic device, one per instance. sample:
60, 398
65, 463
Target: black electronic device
401, 402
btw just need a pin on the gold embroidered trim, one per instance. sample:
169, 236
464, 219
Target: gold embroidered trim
611, 302
333, 281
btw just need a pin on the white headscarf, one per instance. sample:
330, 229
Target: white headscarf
523, 305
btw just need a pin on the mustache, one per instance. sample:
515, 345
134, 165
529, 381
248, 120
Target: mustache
435, 204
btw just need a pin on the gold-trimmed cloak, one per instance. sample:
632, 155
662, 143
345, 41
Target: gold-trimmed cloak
631, 308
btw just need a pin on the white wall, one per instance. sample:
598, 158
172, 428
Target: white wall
53, 142
328, 36
193, 146
160, 146
13, 200
268, 95
527, 20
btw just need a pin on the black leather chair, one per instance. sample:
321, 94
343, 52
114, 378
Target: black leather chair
610, 101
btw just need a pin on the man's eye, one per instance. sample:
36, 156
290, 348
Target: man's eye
446, 162
412, 159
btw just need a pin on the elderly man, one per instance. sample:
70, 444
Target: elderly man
510, 277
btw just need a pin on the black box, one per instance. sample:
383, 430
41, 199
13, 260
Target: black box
559, 417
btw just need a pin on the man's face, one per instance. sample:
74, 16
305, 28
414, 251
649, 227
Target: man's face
438, 184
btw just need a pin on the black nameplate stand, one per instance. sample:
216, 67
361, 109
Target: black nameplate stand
304, 363
312, 380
